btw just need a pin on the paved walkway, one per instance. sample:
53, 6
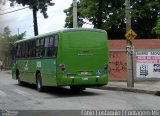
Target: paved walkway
149, 87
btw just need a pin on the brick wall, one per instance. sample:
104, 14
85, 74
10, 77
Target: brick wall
118, 61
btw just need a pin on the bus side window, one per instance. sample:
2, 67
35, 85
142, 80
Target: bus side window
38, 48
55, 45
20, 50
33, 48
26, 50
46, 46
42, 47
30, 49
51, 46
23, 50
13, 52
17, 50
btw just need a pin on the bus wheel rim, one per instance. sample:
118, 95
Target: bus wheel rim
19, 81
38, 84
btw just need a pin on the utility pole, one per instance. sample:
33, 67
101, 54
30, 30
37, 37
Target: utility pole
129, 47
99, 25
18, 31
74, 13
35, 20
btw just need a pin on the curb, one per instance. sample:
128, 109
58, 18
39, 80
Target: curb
135, 90
8, 71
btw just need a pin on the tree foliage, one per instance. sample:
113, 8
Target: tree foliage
144, 15
69, 17
10, 39
156, 29
4, 39
35, 5
41, 5
6, 42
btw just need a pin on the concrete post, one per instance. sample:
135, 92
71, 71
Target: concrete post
74, 13
130, 80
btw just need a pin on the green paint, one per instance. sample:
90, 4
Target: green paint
83, 52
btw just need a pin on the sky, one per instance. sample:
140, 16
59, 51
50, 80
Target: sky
22, 20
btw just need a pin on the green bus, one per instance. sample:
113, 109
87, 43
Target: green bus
70, 57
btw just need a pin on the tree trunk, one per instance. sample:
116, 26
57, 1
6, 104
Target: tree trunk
100, 15
35, 20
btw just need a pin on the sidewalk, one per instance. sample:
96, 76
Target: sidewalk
149, 87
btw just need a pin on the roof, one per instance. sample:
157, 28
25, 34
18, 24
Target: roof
63, 31
83, 29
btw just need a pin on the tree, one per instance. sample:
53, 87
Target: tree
156, 29
35, 5
6, 43
144, 15
69, 17
105, 19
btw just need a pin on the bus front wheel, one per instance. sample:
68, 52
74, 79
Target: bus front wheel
39, 83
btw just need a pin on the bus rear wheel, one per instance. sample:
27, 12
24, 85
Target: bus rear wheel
19, 80
39, 83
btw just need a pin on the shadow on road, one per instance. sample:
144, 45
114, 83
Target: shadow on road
62, 91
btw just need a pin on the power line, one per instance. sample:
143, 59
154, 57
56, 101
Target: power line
24, 27
6, 9
11, 7
13, 11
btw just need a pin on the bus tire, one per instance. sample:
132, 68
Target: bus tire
39, 83
76, 88
19, 80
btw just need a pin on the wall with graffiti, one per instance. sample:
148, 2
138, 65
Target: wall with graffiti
118, 58
117, 65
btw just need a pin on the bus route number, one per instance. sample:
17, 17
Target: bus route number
85, 78
38, 64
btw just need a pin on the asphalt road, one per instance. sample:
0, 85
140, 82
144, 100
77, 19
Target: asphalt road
28, 100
